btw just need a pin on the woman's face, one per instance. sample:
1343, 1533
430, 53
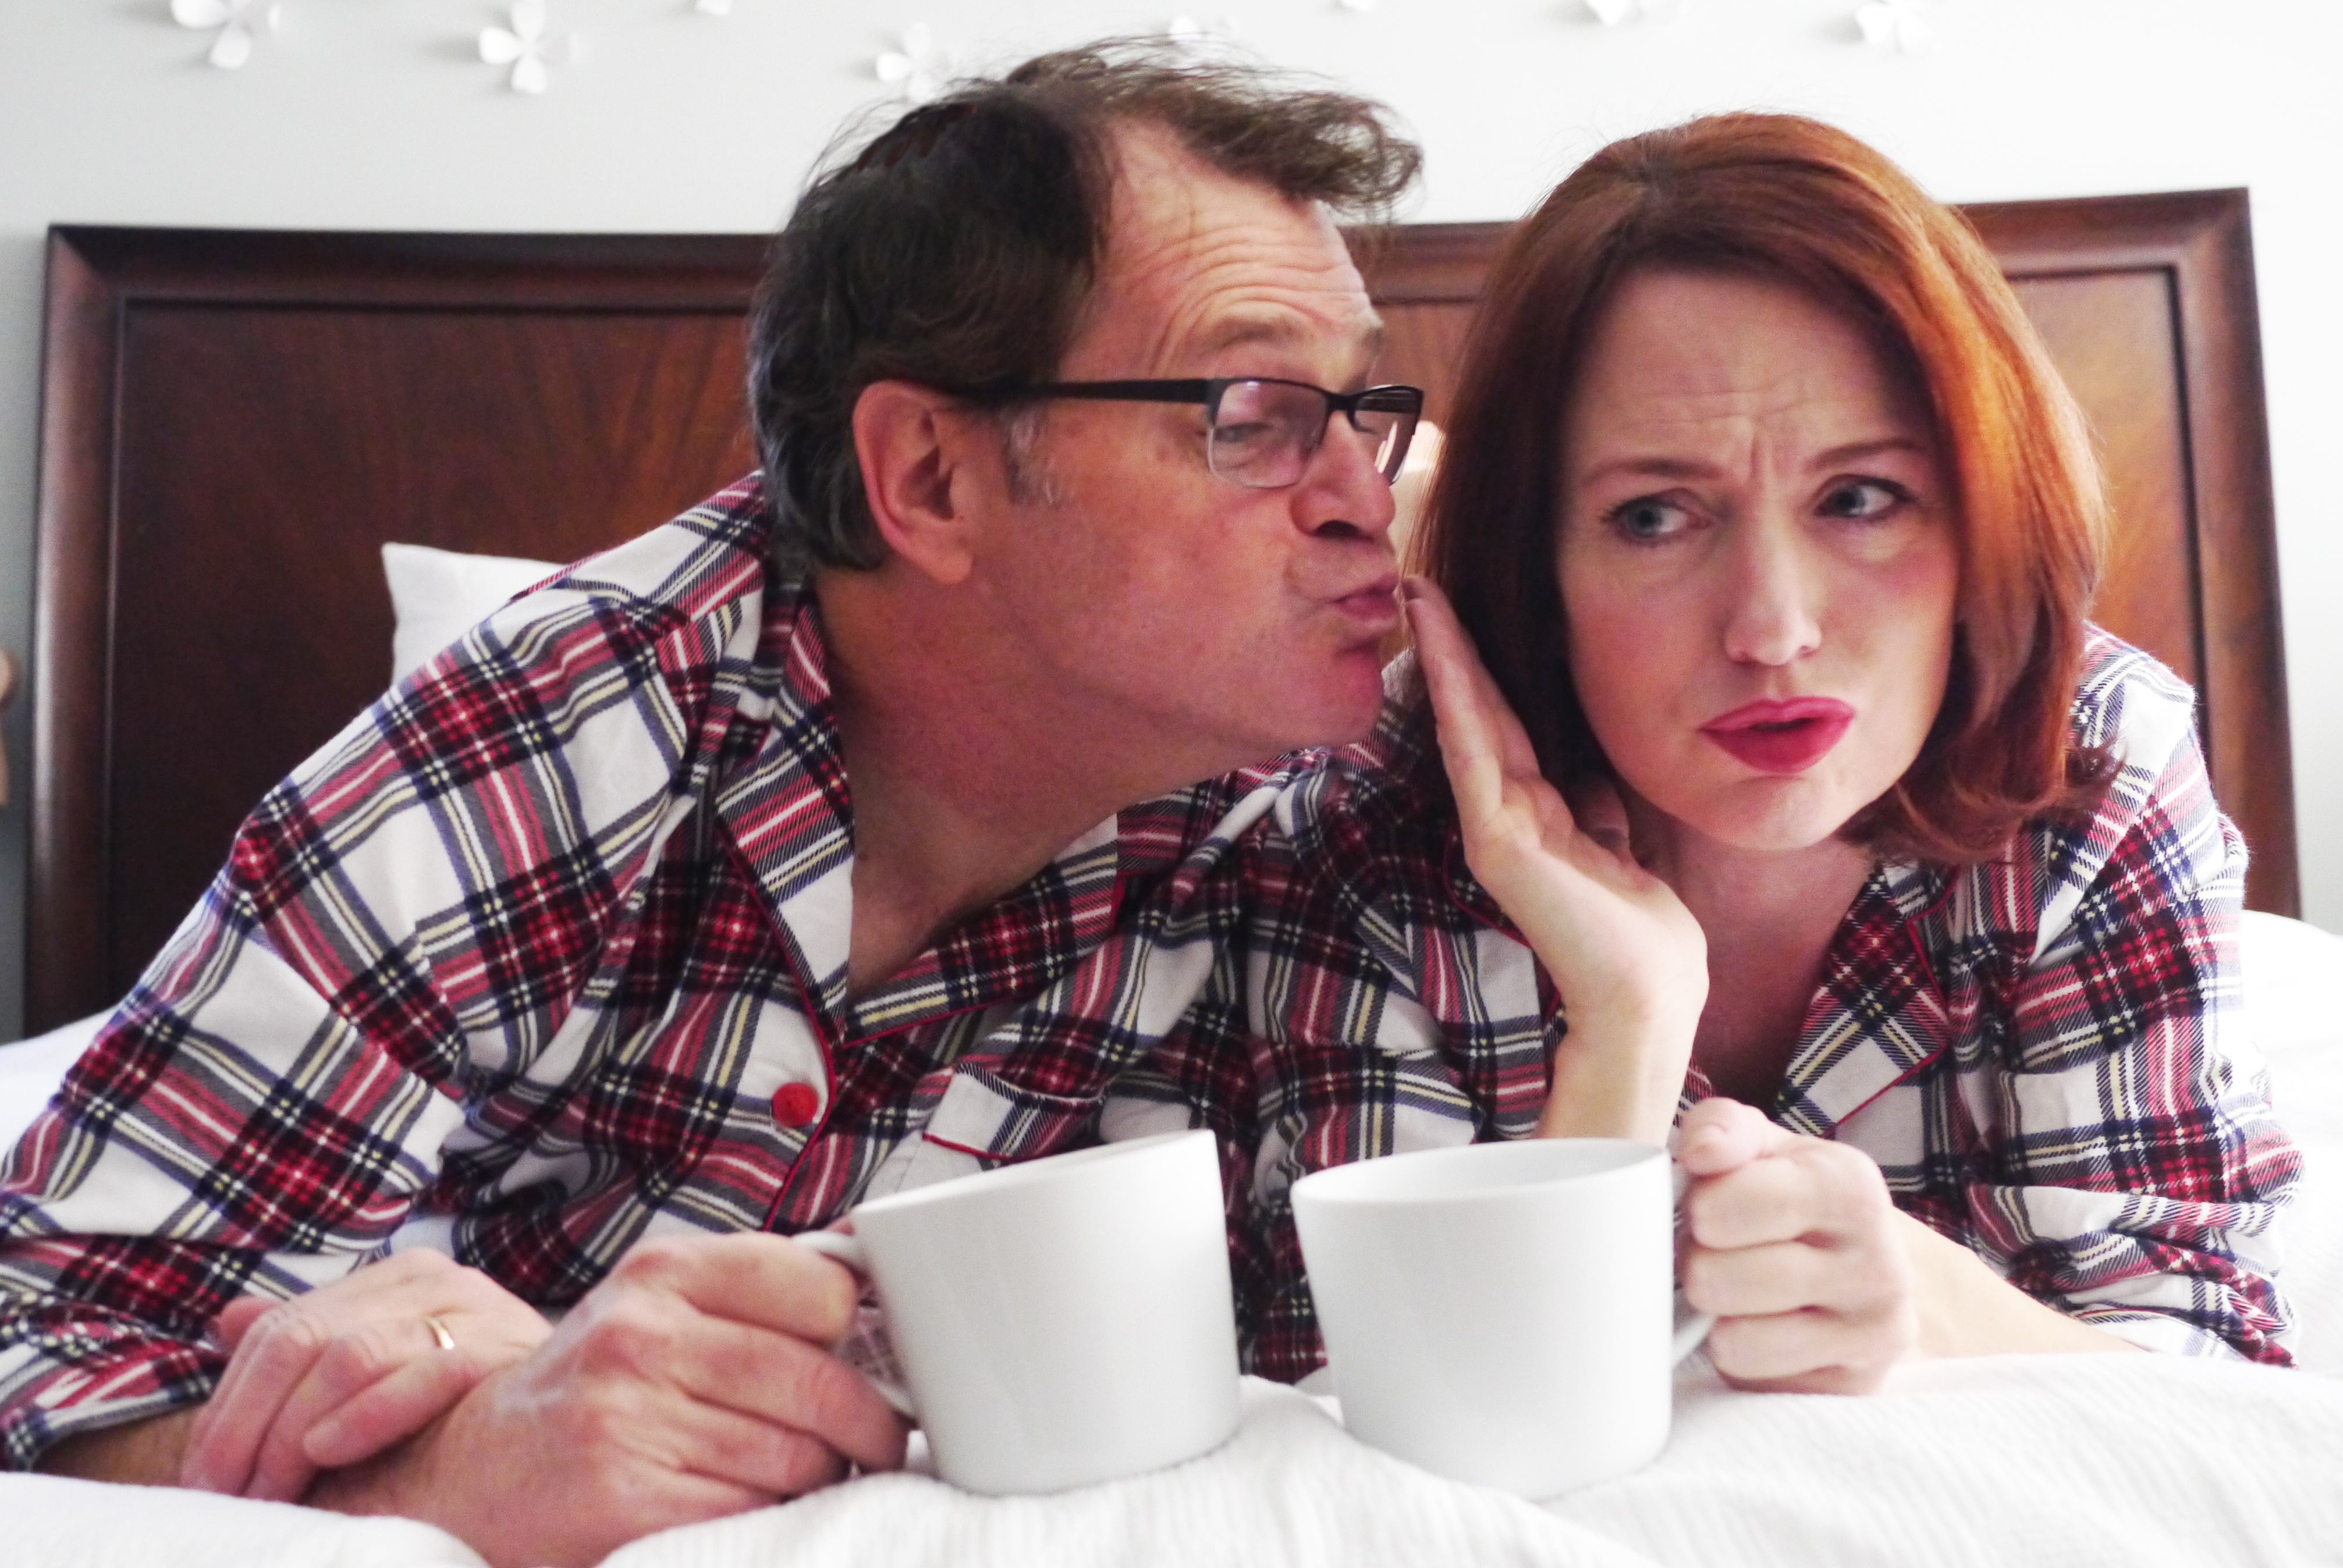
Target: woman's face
1756, 557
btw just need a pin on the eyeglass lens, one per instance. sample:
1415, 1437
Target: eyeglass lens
1264, 432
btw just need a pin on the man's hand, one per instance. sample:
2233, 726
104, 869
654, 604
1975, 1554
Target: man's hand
343, 1371
1629, 958
1797, 1249
693, 1383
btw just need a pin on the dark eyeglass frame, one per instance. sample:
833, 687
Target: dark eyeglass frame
1404, 401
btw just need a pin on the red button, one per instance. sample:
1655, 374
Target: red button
796, 1104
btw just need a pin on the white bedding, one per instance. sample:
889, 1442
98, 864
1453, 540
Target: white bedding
2055, 1460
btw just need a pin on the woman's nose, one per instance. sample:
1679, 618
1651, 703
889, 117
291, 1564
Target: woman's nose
1774, 594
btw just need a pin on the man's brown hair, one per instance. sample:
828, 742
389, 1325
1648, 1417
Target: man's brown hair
1789, 199
955, 248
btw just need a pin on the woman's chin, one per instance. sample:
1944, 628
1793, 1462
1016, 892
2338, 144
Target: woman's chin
1775, 816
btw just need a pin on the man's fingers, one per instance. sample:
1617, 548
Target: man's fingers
724, 1445
786, 1381
753, 1278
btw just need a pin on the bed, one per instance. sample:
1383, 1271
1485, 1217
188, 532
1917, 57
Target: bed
234, 424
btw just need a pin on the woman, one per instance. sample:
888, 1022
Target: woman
1776, 531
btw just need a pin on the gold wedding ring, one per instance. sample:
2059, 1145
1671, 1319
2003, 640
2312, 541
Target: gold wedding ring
447, 1341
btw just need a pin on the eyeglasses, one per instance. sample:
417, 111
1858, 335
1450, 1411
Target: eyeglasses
1262, 431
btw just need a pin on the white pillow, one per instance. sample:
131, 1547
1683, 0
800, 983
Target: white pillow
2293, 982
438, 596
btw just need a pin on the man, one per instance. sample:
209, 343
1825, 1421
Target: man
753, 867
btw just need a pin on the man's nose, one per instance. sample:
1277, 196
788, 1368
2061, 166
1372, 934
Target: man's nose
1342, 489
1773, 587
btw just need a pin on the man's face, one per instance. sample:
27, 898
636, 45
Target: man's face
1205, 624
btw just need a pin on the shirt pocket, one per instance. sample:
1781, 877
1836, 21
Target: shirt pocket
984, 1115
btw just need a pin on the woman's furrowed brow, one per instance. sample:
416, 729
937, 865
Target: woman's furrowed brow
1856, 451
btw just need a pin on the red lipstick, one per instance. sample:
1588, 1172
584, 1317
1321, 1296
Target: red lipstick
1779, 735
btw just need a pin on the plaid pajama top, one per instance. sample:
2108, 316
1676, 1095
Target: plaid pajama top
545, 954
2042, 1052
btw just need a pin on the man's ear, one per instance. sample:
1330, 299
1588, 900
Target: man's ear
912, 443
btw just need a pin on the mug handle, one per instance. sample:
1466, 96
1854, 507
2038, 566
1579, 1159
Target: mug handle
1692, 1328
867, 1347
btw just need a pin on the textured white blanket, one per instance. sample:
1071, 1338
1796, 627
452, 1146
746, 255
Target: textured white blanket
2063, 1462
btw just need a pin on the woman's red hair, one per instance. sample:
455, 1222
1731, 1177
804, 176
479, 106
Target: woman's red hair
1791, 199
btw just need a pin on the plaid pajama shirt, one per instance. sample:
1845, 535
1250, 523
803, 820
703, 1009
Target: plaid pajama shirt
545, 954
2041, 1052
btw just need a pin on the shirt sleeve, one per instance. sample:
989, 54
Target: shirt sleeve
399, 926
2139, 1173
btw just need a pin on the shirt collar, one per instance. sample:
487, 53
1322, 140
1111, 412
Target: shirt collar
791, 815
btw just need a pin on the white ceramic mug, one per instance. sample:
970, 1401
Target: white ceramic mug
1502, 1312
1060, 1321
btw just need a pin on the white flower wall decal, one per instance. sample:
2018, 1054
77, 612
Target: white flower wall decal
1201, 33
528, 47
237, 20
1614, 13
1896, 24
920, 67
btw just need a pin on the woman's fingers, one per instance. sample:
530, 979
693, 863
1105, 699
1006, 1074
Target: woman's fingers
235, 1319
354, 1364
274, 1354
296, 1362
1721, 1134
1794, 1246
1477, 727
392, 1409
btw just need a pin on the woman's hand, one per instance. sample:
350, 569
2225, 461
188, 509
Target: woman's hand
1799, 1250
347, 1370
1627, 956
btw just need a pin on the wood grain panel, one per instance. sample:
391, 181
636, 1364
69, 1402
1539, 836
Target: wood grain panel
2197, 249
320, 433
2111, 335
236, 424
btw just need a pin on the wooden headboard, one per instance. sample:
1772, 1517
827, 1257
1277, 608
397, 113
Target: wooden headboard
234, 422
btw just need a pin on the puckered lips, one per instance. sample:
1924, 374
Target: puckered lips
1373, 607
1781, 734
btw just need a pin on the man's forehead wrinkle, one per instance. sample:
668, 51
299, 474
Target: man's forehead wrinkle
1198, 261
1221, 288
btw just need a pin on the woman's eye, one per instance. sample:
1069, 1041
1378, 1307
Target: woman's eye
1648, 518
1864, 499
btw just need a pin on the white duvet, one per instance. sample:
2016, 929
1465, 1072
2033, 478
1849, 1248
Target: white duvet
2062, 1461
2055, 1460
